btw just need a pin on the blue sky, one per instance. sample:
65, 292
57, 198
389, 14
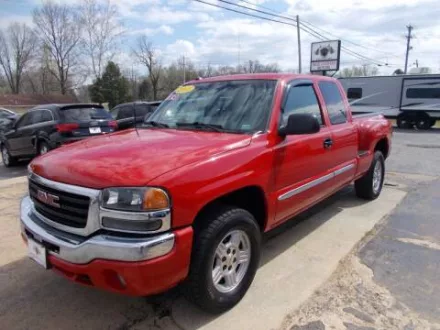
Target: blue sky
373, 28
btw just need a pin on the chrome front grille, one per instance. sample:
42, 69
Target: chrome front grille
70, 209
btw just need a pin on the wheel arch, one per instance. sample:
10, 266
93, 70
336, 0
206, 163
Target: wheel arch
250, 198
383, 146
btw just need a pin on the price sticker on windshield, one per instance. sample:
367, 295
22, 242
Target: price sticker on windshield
185, 89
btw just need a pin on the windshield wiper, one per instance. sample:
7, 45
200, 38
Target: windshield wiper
196, 124
156, 124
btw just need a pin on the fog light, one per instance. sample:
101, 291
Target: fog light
132, 225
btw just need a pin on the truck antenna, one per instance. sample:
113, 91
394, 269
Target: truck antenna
134, 118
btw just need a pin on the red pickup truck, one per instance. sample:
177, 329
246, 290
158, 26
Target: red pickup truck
186, 197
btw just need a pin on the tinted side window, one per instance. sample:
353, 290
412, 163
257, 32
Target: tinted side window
142, 110
46, 115
125, 112
423, 93
333, 100
354, 93
302, 99
36, 117
24, 120
3, 114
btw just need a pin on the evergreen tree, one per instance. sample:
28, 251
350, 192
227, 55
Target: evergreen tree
112, 87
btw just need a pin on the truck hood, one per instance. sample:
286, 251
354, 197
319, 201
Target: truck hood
130, 158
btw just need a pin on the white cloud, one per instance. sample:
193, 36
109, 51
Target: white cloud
150, 32
180, 48
5, 21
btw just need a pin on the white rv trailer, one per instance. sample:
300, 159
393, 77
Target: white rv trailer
414, 100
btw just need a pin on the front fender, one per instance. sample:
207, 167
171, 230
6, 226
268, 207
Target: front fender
194, 186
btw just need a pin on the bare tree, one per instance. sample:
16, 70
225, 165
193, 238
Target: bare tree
17, 47
59, 28
359, 71
101, 33
147, 55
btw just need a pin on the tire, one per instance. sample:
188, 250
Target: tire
369, 186
222, 227
43, 148
403, 122
7, 159
423, 122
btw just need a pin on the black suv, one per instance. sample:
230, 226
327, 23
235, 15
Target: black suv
46, 127
124, 113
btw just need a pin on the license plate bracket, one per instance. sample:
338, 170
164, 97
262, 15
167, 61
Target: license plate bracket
37, 252
95, 130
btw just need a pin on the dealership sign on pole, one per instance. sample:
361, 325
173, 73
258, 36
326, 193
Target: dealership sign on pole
325, 56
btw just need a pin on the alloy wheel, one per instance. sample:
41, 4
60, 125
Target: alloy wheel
231, 261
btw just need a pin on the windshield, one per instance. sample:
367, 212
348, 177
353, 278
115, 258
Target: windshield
85, 114
241, 106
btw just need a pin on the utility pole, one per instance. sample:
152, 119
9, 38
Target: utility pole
417, 63
184, 70
408, 47
299, 43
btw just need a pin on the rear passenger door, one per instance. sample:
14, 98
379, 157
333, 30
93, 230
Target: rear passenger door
344, 136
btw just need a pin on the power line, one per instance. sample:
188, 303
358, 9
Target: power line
248, 14
304, 28
318, 28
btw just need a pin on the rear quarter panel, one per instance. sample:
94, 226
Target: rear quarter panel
371, 130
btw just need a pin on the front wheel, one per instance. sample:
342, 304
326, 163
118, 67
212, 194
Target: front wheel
370, 185
225, 259
7, 159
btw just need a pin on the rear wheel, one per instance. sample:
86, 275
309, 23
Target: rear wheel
370, 185
43, 148
423, 122
225, 259
7, 159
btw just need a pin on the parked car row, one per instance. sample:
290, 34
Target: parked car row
49, 126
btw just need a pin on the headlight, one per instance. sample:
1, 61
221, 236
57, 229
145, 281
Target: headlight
134, 199
135, 210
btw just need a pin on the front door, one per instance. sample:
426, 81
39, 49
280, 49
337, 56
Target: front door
301, 161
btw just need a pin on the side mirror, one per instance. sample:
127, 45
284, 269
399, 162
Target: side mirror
300, 123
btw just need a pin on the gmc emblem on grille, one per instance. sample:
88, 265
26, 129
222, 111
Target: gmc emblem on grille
48, 199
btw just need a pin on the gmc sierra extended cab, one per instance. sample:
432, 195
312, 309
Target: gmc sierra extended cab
186, 197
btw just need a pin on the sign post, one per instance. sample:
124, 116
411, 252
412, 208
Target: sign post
325, 56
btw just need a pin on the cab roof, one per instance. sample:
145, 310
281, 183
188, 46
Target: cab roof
263, 76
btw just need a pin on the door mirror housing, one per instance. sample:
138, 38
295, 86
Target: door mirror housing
300, 123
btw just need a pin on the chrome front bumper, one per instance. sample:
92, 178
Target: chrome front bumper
81, 250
